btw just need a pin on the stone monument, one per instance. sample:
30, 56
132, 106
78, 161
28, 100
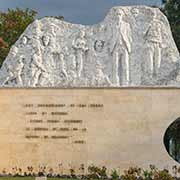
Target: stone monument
133, 46
62, 127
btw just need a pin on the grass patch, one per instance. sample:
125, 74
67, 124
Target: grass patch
31, 178
17, 178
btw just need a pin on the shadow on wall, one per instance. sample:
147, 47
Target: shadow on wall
172, 140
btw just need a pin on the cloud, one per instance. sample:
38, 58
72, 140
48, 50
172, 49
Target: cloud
76, 11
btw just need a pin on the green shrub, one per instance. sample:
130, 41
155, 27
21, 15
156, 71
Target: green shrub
97, 172
162, 175
114, 175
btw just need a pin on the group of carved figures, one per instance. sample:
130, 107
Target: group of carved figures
48, 66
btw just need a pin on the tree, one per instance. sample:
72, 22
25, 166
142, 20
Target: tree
12, 25
172, 11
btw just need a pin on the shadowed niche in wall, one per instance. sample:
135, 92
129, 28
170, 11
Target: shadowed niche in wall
172, 140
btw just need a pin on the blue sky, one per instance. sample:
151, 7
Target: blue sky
76, 11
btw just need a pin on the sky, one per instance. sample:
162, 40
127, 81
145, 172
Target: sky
85, 12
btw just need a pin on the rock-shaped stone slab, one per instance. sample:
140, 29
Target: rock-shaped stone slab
133, 46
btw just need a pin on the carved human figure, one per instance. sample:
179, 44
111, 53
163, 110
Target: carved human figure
99, 45
52, 28
34, 44
19, 70
101, 55
135, 12
72, 73
62, 68
12, 54
37, 68
137, 21
35, 40
177, 78
36, 28
138, 18
153, 41
46, 40
80, 46
16, 72
7, 67
99, 78
24, 40
49, 49
120, 48
50, 77
100, 52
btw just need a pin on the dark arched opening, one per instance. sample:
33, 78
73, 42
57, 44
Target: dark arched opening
172, 140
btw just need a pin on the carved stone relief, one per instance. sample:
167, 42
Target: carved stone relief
133, 46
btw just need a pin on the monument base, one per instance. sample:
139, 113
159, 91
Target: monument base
67, 128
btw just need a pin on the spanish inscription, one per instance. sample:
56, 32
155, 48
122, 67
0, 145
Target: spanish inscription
54, 122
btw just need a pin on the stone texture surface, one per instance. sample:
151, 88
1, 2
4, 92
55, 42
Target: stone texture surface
133, 46
127, 131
